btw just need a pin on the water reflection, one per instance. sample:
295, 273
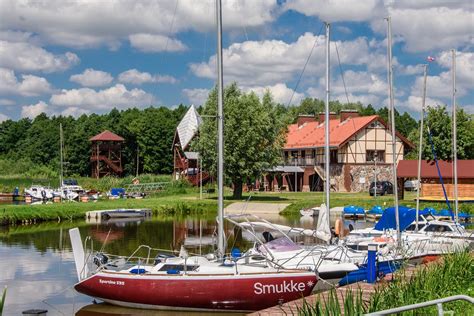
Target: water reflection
38, 267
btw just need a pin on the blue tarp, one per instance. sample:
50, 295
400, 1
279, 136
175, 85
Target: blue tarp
117, 191
376, 210
387, 221
351, 209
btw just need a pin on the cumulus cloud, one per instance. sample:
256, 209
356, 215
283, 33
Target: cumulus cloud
334, 11
268, 62
415, 102
33, 110
117, 96
196, 96
423, 25
149, 43
24, 56
92, 78
280, 92
136, 77
85, 23
29, 85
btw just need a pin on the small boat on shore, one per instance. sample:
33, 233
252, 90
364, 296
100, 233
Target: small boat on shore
352, 211
120, 213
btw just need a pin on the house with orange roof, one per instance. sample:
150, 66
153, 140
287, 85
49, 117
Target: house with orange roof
360, 152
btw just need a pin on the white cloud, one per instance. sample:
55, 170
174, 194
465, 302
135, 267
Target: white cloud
7, 102
92, 78
464, 67
74, 111
33, 110
280, 92
414, 102
85, 23
24, 56
341, 10
196, 96
136, 77
150, 43
3, 117
89, 99
29, 86
424, 25
263, 63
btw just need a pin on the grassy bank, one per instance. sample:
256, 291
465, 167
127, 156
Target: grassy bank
452, 275
170, 204
301, 200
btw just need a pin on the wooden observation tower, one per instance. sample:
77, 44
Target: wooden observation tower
106, 154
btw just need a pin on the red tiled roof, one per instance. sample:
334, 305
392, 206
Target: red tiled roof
106, 136
409, 169
311, 134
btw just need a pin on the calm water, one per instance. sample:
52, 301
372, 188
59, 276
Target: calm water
36, 261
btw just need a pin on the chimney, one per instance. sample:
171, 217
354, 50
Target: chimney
345, 114
332, 116
305, 119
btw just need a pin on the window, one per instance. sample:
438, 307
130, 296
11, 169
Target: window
378, 155
438, 228
333, 156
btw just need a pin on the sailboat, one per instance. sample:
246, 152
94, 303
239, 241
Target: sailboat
184, 282
434, 237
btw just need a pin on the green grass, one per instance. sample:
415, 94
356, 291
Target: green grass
180, 204
453, 275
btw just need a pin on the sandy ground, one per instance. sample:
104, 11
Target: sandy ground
255, 208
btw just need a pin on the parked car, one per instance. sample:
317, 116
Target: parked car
411, 185
383, 187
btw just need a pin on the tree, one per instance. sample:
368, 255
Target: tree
253, 135
439, 122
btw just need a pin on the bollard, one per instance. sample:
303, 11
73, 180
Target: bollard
372, 263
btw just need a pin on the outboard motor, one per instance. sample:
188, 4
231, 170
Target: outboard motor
100, 259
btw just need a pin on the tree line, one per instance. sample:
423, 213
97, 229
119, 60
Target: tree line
254, 127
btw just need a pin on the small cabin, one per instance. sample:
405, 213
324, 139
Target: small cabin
431, 188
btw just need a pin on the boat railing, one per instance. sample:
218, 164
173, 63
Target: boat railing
438, 302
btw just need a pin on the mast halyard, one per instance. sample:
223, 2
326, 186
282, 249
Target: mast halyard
394, 135
455, 150
420, 148
220, 136
326, 122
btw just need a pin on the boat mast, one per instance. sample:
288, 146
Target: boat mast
326, 121
394, 135
455, 150
420, 148
220, 136
61, 155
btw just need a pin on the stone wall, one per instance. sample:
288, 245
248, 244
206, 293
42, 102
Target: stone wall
362, 175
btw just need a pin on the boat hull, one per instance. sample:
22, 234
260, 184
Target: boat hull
227, 292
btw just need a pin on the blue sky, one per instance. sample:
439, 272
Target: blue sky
84, 56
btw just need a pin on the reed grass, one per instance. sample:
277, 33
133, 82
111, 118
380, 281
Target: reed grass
452, 275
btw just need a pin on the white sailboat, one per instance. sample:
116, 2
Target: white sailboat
186, 282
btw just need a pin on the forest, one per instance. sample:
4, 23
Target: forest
30, 147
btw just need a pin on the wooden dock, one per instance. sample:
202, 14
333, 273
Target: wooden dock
291, 308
